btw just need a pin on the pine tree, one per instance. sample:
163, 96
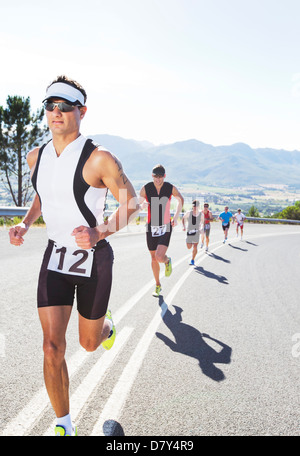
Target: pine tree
19, 133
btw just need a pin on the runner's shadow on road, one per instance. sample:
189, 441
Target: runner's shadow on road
251, 243
211, 275
191, 342
217, 257
237, 248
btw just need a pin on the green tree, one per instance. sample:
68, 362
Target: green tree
253, 212
290, 212
20, 131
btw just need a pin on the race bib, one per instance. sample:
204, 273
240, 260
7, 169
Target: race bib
207, 226
192, 232
66, 260
158, 230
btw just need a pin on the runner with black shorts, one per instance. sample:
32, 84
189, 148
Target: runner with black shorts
225, 217
157, 195
71, 176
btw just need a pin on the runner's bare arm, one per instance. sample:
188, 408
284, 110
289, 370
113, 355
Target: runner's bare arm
184, 220
17, 232
143, 199
111, 174
180, 200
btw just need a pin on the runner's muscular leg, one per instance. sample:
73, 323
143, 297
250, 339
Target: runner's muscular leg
155, 267
92, 332
54, 321
160, 254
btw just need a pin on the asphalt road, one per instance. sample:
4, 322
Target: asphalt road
217, 354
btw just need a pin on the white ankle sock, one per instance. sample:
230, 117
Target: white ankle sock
66, 422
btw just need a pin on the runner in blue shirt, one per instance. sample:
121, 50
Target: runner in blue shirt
225, 217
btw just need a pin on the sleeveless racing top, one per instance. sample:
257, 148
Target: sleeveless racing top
159, 204
206, 218
67, 201
193, 222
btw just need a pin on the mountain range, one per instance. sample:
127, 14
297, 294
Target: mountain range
193, 161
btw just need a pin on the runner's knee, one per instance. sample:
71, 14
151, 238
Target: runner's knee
88, 343
160, 257
54, 352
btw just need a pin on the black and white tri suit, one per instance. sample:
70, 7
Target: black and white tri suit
67, 202
193, 228
159, 226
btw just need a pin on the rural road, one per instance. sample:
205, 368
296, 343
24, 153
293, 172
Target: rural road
216, 355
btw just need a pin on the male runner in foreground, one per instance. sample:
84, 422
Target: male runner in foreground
158, 196
71, 176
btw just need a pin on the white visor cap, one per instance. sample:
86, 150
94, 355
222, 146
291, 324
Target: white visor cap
64, 91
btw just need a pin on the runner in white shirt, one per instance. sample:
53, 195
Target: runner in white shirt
239, 217
71, 176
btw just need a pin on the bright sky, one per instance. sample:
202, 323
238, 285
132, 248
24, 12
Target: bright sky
220, 71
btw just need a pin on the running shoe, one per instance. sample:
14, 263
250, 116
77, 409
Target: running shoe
168, 270
201, 245
108, 343
192, 262
206, 249
157, 291
61, 431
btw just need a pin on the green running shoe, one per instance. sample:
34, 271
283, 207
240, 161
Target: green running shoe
108, 343
168, 270
61, 432
157, 291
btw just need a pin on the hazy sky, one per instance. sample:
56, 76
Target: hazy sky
220, 71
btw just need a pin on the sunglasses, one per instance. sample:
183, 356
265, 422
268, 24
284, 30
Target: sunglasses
63, 106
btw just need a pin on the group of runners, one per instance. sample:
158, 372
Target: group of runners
71, 176
198, 223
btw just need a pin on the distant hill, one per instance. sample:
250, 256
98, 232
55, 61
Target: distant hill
194, 161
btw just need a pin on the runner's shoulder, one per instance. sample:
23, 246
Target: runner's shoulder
32, 156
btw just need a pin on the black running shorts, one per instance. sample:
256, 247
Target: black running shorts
154, 241
92, 293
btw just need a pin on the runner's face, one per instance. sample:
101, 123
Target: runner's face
158, 179
64, 122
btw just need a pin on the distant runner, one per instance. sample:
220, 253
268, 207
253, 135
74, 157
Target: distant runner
207, 217
225, 217
193, 220
158, 196
239, 217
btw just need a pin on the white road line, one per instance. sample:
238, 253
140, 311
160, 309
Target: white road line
21, 424
94, 377
33, 411
112, 410
130, 303
113, 407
